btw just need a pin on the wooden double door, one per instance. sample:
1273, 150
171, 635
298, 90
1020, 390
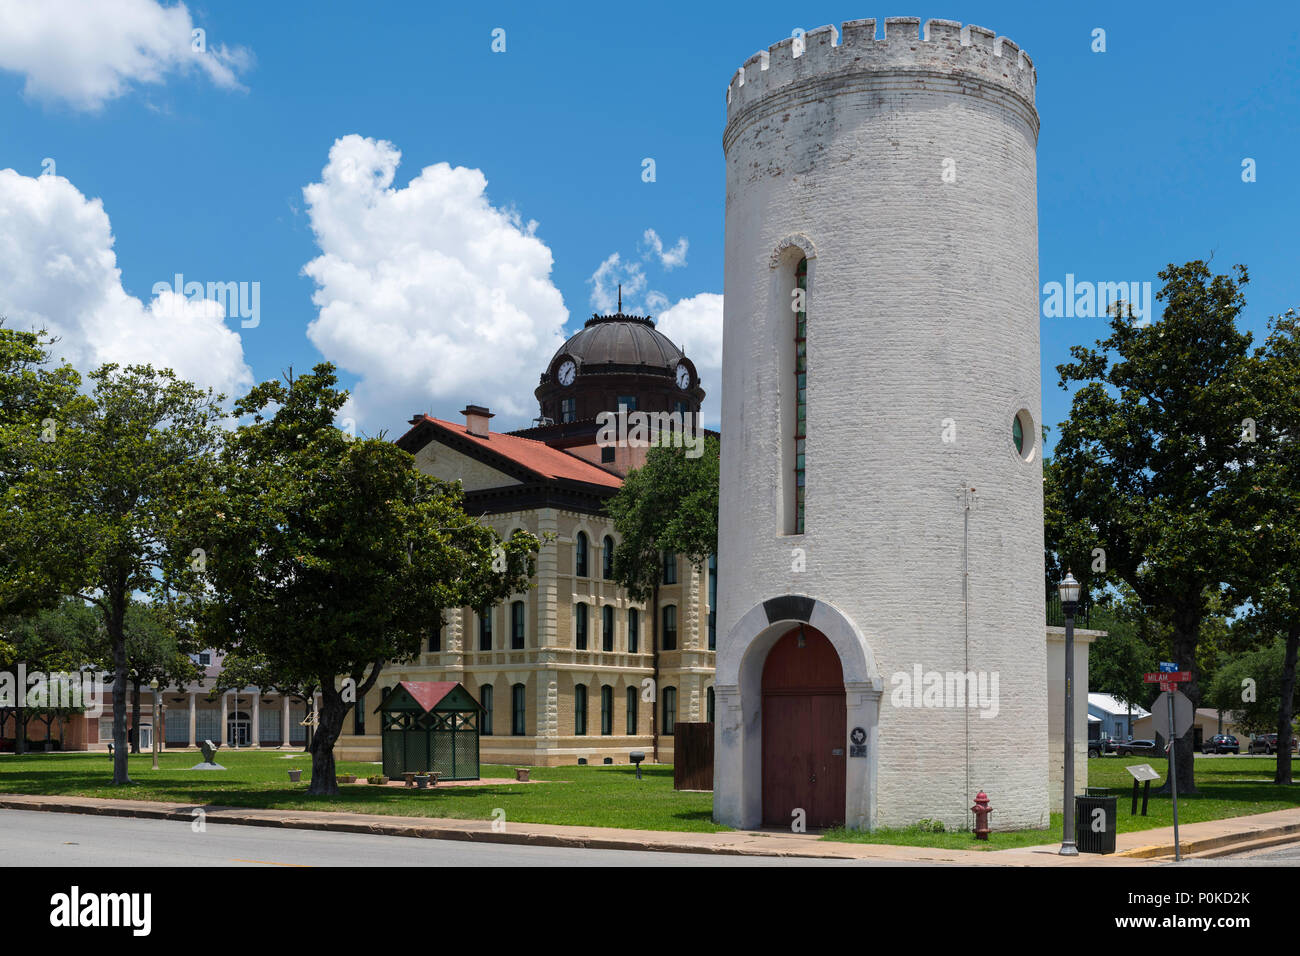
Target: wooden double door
804, 731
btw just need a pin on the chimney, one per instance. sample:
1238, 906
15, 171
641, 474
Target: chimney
476, 420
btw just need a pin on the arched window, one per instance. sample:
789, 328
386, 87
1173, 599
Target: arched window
606, 710
517, 625
485, 629
669, 642
580, 710
801, 388
518, 717
580, 555
633, 630
708, 704
607, 628
670, 710
632, 704
607, 558
485, 698
580, 627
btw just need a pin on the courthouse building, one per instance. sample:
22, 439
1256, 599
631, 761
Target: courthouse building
571, 668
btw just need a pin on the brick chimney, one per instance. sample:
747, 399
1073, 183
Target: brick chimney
476, 420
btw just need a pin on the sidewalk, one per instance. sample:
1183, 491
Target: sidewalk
1132, 849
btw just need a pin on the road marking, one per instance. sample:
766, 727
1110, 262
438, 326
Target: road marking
269, 862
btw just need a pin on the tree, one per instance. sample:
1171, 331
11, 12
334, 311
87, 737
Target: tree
1271, 503
1148, 465
157, 648
1250, 686
1117, 661
668, 505
33, 401
328, 556
58, 640
98, 511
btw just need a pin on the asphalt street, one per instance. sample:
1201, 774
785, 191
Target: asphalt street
40, 838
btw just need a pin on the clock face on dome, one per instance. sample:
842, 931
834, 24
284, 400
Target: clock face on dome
567, 372
683, 377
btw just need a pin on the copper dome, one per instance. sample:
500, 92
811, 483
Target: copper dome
620, 340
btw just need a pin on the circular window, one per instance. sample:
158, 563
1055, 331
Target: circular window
1022, 435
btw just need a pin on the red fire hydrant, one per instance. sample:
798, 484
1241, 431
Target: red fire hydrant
981, 811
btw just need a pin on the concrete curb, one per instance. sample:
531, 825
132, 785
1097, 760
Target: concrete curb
1225, 843
235, 816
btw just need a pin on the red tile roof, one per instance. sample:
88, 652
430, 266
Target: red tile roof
428, 693
536, 456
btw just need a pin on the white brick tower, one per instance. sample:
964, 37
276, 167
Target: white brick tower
893, 179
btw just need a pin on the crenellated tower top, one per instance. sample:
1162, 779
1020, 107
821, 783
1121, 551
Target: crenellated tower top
942, 50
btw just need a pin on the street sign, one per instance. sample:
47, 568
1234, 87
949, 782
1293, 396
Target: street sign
1167, 677
1182, 714
1168, 666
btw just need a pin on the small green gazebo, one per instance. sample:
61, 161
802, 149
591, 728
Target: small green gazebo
430, 725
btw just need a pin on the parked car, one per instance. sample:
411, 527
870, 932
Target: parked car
1267, 743
1133, 748
1221, 744
1101, 746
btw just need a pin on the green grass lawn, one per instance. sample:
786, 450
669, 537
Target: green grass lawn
603, 796
607, 796
1227, 787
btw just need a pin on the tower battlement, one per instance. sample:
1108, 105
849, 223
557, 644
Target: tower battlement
939, 48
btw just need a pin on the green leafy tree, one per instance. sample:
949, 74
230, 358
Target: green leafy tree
669, 505
1148, 467
328, 556
34, 397
56, 640
1270, 576
1250, 685
98, 510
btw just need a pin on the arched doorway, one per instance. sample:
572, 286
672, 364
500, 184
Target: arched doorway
804, 724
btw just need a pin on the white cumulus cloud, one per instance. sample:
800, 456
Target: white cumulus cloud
58, 272
88, 52
695, 325
670, 259
428, 292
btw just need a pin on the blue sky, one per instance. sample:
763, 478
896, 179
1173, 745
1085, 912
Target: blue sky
201, 170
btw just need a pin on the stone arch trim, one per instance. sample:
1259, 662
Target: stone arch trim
796, 240
766, 619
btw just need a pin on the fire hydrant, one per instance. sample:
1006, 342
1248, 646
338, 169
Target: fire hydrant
981, 811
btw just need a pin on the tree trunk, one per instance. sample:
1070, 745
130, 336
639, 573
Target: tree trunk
1186, 631
332, 712
1286, 708
116, 633
135, 715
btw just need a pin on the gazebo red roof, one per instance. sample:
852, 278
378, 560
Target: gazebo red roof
428, 693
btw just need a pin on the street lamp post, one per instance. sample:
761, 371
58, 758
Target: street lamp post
1069, 591
153, 685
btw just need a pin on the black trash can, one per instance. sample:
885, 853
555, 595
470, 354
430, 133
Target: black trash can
1096, 819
